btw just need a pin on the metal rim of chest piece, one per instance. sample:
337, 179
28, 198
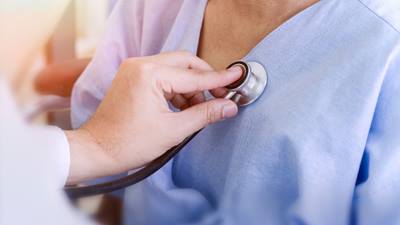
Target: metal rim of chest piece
250, 86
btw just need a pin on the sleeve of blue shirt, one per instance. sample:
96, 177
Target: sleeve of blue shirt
377, 192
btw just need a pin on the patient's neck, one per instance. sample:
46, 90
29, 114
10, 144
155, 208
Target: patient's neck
265, 9
232, 28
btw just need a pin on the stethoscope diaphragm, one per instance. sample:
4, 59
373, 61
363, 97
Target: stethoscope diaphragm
251, 84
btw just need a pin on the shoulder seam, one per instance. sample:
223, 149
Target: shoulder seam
380, 17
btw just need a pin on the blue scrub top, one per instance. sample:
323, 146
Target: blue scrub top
321, 146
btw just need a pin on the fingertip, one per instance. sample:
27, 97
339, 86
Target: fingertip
232, 74
235, 71
229, 110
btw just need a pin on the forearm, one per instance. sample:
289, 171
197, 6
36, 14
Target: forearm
88, 158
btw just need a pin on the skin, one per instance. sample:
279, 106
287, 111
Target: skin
132, 126
243, 24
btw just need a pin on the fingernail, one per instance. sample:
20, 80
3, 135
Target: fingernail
229, 110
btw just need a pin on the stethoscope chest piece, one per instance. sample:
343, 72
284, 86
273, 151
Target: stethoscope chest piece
250, 86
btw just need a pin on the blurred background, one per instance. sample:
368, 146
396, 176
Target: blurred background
44, 46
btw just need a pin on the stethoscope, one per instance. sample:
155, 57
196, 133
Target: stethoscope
243, 92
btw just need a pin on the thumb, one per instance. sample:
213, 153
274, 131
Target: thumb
201, 115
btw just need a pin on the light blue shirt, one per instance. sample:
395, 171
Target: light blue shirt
321, 146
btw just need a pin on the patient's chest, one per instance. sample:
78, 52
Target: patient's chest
308, 115
310, 126
300, 145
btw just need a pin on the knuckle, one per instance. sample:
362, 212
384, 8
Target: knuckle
198, 76
198, 73
146, 67
197, 85
131, 65
138, 65
138, 69
146, 70
200, 80
212, 114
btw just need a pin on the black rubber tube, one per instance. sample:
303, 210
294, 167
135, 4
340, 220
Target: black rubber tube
148, 170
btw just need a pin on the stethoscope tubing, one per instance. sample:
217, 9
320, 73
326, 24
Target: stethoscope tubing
138, 176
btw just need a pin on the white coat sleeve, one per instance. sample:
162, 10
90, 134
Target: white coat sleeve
34, 164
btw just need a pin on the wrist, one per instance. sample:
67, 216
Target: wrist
88, 159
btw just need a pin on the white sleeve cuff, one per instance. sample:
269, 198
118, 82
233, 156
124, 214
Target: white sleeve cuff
57, 153
63, 159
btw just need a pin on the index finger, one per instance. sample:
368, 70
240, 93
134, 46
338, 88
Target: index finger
178, 80
182, 59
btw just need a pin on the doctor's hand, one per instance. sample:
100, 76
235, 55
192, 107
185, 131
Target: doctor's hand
134, 124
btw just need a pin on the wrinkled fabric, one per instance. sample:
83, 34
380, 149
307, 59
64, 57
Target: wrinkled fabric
321, 146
